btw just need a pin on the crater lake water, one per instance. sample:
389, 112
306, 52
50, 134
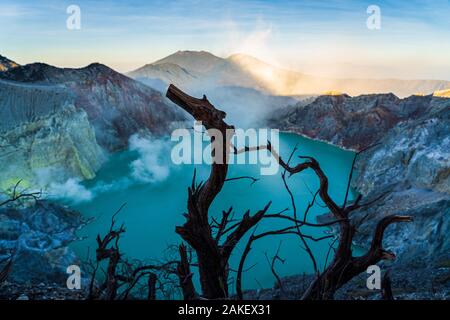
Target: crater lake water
155, 207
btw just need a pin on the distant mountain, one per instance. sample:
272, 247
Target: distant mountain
6, 64
207, 70
198, 61
164, 72
225, 83
116, 105
193, 70
442, 93
286, 82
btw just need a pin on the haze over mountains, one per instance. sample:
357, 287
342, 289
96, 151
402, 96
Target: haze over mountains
194, 69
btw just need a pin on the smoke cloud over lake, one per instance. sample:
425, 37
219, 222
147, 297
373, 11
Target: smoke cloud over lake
151, 164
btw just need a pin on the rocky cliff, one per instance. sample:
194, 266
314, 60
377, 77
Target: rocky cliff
59, 123
351, 122
412, 165
44, 137
116, 105
409, 168
38, 236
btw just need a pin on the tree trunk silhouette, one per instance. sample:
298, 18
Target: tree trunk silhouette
197, 232
185, 275
344, 265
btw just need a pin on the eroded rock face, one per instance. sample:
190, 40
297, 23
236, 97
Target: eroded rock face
44, 136
59, 123
412, 166
350, 122
116, 105
414, 154
38, 235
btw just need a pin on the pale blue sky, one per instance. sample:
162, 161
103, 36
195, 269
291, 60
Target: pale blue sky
320, 37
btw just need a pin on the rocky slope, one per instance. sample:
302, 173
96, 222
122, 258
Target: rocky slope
116, 105
200, 69
409, 168
59, 123
44, 137
407, 284
38, 235
412, 163
351, 122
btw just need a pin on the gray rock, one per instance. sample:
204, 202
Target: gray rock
38, 235
416, 153
412, 165
351, 122
43, 134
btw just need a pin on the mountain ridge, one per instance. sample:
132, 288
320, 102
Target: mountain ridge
58, 123
6, 64
116, 105
353, 122
247, 71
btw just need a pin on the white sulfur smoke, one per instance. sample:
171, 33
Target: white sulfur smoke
150, 166
71, 189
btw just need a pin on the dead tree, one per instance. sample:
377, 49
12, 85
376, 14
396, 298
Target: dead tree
15, 195
6, 268
344, 265
213, 256
121, 275
212, 253
185, 275
386, 289
272, 263
107, 249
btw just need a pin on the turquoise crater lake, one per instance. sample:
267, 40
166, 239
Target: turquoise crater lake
154, 208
